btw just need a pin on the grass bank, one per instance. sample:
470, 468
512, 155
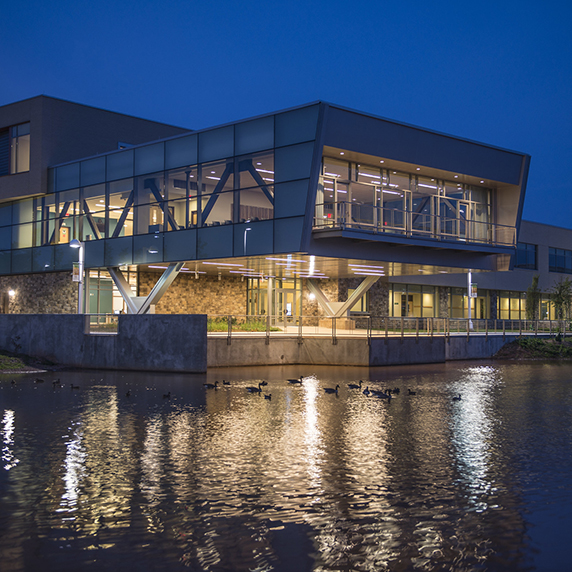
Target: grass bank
535, 348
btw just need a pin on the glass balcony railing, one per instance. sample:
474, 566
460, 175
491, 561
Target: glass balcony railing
370, 218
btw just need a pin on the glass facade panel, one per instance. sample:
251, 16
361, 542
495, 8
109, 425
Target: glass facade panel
69, 217
67, 177
120, 208
412, 301
256, 135
94, 213
296, 126
92, 171
150, 202
120, 165
216, 144
149, 159
182, 191
5, 215
181, 152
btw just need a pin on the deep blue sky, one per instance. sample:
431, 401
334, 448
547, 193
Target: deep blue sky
498, 72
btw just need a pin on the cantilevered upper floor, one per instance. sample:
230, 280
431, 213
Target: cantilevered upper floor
319, 181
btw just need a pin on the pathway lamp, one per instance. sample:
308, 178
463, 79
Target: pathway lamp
75, 243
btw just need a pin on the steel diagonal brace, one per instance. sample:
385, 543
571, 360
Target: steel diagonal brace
161, 286
320, 297
364, 286
124, 288
156, 293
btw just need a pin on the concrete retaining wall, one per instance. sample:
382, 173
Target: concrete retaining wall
245, 351
152, 342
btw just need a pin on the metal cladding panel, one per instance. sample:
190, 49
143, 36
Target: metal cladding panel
357, 132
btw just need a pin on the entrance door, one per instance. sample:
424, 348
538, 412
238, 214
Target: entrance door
287, 305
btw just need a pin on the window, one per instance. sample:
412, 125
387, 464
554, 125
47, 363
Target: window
526, 256
560, 260
20, 148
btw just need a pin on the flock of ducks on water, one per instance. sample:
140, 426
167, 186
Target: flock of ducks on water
381, 394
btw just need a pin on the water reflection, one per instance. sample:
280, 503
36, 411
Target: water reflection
227, 480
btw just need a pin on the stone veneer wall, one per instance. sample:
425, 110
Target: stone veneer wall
330, 288
378, 295
207, 295
49, 293
443, 301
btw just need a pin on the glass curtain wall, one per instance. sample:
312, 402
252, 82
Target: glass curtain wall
413, 301
458, 304
285, 298
372, 197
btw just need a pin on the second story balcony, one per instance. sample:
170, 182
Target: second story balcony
372, 209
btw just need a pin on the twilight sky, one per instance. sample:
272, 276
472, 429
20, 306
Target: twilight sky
498, 72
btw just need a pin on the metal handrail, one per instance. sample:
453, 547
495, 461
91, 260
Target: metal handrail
370, 327
385, 220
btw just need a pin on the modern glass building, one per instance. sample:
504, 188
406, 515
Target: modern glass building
312, 210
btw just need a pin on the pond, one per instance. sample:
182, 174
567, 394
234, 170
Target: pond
140, 471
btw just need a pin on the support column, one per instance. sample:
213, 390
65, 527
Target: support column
141, 304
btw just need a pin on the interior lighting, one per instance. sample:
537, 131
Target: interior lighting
365, 266
222, 264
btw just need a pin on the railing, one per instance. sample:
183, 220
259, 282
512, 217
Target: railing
407, 223
369, 327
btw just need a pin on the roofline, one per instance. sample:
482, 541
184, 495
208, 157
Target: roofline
44, 96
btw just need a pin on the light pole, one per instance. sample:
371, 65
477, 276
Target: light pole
245, 231
75, 243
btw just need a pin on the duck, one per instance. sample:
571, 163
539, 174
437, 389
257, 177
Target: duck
268, 396
56, 381
396, 390
263, 383
331, 389
296, 380
224, 382
366, 392
72, 386
167, 395
128, 393
355, 385
211, 385
377, 392
457, 397
409, 392
253, 389
38, 380
382, 395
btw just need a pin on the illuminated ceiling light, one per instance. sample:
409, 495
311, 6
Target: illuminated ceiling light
222, 264
456, 176
482, 181
382, 161
342, 153
419, 168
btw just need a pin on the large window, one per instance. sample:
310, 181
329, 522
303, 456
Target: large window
20, 148
412, 301
15, 149
560, 260
526, 256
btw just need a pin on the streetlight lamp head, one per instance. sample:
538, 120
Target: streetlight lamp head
75, 243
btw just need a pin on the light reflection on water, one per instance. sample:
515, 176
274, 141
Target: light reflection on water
227, 480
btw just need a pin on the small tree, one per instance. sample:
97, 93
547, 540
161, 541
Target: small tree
561, 296
533, 296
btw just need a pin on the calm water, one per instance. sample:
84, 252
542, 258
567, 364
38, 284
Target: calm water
226, 480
